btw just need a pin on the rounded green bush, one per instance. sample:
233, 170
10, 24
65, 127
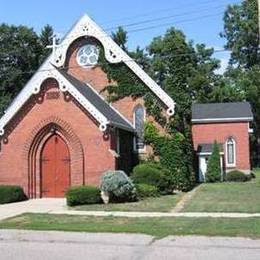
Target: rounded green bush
237, 176
153, 174
10, 194
118, 186
146, 190
83, 195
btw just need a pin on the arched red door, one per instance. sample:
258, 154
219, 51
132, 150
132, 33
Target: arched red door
55, 168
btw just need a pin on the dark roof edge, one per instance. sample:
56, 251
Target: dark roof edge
130, 129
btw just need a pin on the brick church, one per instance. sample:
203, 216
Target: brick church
60, 131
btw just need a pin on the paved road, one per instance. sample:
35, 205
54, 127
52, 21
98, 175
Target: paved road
66, 246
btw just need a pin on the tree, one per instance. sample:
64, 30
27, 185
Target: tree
185, 71
242, 33
46, 37
20, 50
21, 53
213, 173
120, 37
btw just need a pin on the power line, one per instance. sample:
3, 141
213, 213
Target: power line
175, 22
130, 60
161, 25
163, 18
158, 11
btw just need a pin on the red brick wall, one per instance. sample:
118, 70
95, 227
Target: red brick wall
82, 133
97, 157
208, 133
98, 80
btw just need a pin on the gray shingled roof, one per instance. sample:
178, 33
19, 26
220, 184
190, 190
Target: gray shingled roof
97, 101
233, 111
207, 148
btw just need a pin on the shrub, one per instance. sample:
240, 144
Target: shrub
146, 190
252, 175
10, 194
213, 173
237, 176
175, 153
118, 186
83, 195
153, 174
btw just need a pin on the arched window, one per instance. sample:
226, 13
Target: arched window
231, 152
139, 116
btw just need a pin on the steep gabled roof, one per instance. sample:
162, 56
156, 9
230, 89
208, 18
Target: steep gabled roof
99, 103
85, 27
221, 112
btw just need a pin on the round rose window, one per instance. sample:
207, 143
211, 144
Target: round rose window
88, 55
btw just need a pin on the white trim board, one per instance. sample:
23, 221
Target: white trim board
34, 87
113, 53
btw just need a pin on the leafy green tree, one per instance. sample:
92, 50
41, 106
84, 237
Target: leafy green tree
185, 71
120, 37
227, 90
242, 33
46, 37
19, 57
213, 173
21, 53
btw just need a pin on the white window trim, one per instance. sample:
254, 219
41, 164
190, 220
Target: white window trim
90, 64
226, 148
143, 150
250, 130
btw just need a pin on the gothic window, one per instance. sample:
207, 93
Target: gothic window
139, 117
231, 151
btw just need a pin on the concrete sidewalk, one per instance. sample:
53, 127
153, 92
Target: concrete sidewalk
58, 206
32, 206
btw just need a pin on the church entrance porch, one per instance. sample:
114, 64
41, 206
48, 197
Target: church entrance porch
55, 167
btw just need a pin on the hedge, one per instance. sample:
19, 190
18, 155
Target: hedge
83, 195
237, 176
146, 190
153, 174
10, 194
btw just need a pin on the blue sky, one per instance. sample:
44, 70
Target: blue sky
200, 20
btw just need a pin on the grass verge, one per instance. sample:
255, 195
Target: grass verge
158, 227
227, 197
161, 204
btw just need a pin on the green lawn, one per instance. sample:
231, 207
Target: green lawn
158, 227
161, 204
227, 197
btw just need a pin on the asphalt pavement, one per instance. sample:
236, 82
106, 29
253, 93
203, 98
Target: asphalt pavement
42, 245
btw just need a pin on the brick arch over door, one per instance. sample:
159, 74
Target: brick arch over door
33, 147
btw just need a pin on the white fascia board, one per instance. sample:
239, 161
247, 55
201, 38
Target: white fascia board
208, 120
34, 87
113, 53
121, 115
65, 85
86, 27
